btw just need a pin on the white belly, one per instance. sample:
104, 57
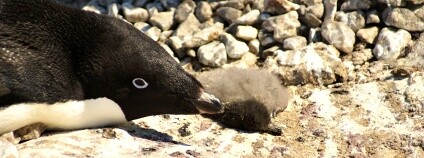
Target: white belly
66, 115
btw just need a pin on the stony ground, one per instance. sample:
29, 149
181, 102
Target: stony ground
355, 72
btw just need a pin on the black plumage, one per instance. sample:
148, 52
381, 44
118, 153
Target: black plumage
51, 53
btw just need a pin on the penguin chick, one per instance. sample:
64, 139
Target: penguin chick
72, 69
250, 97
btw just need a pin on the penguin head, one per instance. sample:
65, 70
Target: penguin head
142, 78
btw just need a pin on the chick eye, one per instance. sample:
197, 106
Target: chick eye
140, 83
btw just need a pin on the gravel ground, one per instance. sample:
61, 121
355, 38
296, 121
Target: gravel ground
354, 68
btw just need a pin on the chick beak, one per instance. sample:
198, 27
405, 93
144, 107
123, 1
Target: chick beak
208, 104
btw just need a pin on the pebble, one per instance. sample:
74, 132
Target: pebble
153, 32
266, 38
390, 43
204, 36
283, 26
351, 5
176, 44
402, 18
373, 17
203, 11
134, 14
294, 43
354, 20
188, 27
229, 14
339, 35
368, 34
317, 10
235, 49
250, 18
163, 20
280, 6
212, 54
330, 7
254, 46
183, 10
246, 33
112, 10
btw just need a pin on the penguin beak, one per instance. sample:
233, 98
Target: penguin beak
208, 104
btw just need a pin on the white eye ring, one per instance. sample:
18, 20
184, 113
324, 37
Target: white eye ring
145, 84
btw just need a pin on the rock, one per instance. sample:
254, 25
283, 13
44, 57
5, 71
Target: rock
237, 4
393, 3
280, 6
339, 35
165, 35
419, 12
112, 10
355, 20
142, 26
311, 20
390, 44
351, 5
317, 10
176, 44
139, 3
402, 18
134, 14
315, 64
416, 2
368, 34
235, 49
204, 36
105, 3
163, 20
167, 48
246, 33
284, 26
93, 6
154, 8
413, 93
259, 5
372, 17
249, 18
203, 11
415, 58
184, 10
212, 54
153, 32
229, 14
247, 61
191, 53
310, 2
266, 38
272, 51
361, 56
7, 149
254, 46
294, 43
330, 7
314, 35
170, 3
190, 26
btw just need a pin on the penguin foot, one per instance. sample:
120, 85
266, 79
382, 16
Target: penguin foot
29, 132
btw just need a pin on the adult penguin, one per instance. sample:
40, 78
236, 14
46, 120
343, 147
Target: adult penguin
72, 69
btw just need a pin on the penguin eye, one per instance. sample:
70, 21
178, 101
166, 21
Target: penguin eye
139, 83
